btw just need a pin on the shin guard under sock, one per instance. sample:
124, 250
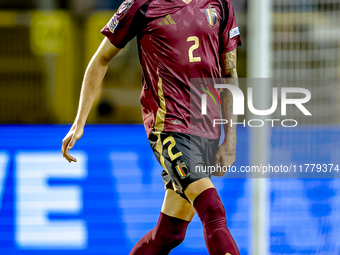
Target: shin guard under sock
209, 208
166, 235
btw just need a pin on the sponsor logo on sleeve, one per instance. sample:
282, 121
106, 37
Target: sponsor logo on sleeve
234, 32
113, 23
125, 6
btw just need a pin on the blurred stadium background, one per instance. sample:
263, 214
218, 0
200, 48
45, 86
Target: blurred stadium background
107, 201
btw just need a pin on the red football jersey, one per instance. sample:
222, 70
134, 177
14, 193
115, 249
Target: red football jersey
177, 42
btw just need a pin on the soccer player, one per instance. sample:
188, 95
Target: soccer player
177, 40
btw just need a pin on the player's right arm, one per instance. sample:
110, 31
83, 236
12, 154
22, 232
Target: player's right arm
122, 28
93, 78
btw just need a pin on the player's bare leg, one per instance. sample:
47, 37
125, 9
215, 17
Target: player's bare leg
170, 230
209, 208
176, 206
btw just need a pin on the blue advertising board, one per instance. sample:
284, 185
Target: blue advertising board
113, 195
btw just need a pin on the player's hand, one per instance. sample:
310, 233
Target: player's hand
225, 157
70, 139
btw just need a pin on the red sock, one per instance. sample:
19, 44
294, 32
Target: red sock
166, 235
218, 239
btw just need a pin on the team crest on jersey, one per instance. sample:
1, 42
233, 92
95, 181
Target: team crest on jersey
211, 16
182, 170
113, 23
125, 6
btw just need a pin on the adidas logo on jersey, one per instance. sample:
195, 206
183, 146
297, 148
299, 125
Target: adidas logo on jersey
167, 21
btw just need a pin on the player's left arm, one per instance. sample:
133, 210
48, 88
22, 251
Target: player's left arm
227, 152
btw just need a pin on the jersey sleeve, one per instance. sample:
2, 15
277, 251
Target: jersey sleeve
229, 33
125, 23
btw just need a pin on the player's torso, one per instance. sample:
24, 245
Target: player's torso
184, 38
180, 41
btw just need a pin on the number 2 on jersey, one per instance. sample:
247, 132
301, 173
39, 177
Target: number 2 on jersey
172, 144
192, 48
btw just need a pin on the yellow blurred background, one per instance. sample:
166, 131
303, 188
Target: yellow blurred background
45, 46
44, 49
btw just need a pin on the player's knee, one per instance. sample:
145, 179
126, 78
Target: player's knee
215, 216
178, 238
170, 239
211, 211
